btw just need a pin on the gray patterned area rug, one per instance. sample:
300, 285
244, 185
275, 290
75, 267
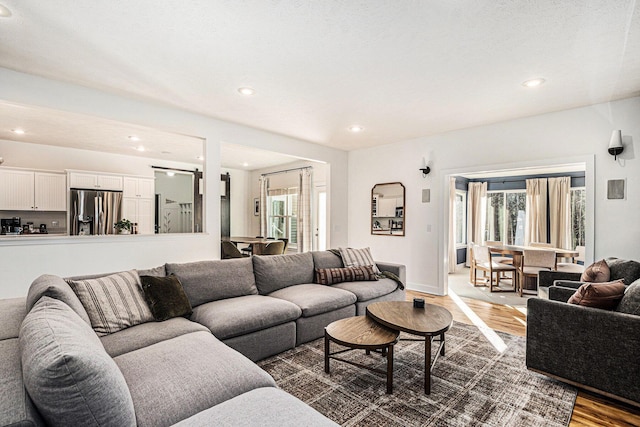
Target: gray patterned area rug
473, 385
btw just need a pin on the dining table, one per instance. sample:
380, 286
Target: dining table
517, 251
256, 242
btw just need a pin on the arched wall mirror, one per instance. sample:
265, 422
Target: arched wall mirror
387, 209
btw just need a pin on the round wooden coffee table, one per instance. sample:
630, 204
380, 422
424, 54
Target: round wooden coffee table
429, 322
360, 332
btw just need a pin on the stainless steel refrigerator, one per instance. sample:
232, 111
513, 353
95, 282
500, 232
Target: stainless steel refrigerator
94, 212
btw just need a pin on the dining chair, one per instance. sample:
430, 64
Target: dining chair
575, 266
249, 249
484, 262
534, 261
498, 257
229, 250
540, 245
286, 244
272, 248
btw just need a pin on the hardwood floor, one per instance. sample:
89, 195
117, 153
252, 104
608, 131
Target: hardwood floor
589, 410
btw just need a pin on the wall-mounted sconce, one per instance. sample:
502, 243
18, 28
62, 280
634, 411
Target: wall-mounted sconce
615, 145
425, 169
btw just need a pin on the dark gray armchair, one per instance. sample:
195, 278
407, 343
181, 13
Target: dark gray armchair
591, 348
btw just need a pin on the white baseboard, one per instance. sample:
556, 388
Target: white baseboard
427, 289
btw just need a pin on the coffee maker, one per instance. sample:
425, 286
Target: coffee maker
11, 225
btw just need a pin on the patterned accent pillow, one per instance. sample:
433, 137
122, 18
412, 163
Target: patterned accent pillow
358, 258
598, 272
330, 276
113, 302
599, 295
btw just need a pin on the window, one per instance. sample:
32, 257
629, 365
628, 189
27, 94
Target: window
461, 223
578, 204
505, 217
283, 214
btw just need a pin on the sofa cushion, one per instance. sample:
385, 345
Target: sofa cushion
12, 311
68, 374
275, 272
55, 287
175, 379
599, 295
629, 270
113, 302
315, 299
159, 271
242, 315
630, 302
206, 281
326, 259
146, 334
365, 291
358, 257
165, 297
16, 408
597, 272
271, 406
330, 276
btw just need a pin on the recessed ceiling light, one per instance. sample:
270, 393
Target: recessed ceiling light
134, 138
4, 11
245, 164
18, 131
200, 157
139, 148
533, 82
356, 128
246, 91
169, 173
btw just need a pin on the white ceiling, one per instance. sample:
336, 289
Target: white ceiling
402, 69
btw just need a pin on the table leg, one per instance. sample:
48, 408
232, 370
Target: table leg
326, 352
390, 369
427, 365
442, 349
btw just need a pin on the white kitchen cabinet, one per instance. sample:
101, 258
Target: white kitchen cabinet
94, 181
140, 211
143, 188
25, 190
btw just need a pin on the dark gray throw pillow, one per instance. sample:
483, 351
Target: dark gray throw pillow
165, 296
630, 302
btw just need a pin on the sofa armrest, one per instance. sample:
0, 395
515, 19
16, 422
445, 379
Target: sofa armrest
546, 278
560, 293
399, 270
586, 346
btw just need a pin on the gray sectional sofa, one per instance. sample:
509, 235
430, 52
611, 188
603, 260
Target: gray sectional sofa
186, 372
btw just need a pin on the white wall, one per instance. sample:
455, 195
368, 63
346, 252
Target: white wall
24, 261
550, 138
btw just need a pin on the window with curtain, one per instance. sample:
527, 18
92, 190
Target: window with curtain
578, 206
282, 218
505, 216
461, 222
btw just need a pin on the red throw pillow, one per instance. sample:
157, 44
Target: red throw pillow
598, 272
599, 295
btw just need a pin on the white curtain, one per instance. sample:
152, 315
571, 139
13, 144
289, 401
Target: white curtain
304, 212
476, 214
536, 211
560, 212
452, 225
264, 192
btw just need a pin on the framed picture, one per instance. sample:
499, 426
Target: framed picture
256, 206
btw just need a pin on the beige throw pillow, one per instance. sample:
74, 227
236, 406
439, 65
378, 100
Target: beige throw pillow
358, 258
113, 302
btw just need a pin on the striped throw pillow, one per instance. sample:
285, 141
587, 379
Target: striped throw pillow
358, 258
113, 302
330, 276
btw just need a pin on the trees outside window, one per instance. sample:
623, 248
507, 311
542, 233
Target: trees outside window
578, 204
